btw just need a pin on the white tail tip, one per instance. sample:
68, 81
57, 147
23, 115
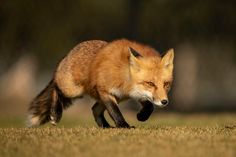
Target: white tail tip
33, 121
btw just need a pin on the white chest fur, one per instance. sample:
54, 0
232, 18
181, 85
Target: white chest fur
116, 92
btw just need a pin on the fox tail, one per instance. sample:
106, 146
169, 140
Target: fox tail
47, 106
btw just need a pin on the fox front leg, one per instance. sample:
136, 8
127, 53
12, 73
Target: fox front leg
114, 112
98, 113
116, 115
146, 111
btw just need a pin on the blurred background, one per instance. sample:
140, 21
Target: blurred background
35, 35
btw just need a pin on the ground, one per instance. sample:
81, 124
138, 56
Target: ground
165, 134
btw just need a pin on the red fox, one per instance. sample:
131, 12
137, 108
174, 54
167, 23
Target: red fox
109, 72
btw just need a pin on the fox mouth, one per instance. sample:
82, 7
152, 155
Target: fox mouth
145, 98
156, 103
159, 104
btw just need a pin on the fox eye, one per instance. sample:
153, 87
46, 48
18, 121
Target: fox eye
167, 85
149, 83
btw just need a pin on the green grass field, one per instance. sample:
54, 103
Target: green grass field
164, 135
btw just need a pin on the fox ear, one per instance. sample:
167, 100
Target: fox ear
134, 52
168, 58
134, 55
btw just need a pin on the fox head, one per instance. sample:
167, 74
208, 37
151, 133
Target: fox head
151, 77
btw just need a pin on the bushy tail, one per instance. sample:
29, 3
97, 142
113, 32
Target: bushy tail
47, 106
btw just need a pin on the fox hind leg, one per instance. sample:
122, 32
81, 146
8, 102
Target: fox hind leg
98, 113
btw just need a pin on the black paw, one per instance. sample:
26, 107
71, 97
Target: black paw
125, 125
132, 127
106, 125
101, 122
143, 116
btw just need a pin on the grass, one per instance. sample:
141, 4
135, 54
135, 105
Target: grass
163, 135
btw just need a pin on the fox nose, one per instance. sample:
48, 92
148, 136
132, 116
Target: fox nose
164, 102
